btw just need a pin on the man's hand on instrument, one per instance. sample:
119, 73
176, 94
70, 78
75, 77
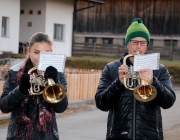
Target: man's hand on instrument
147, 75
122, 73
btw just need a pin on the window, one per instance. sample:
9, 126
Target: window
4, 30
90, 41
107, 42
151, 42
58, 32
170, 42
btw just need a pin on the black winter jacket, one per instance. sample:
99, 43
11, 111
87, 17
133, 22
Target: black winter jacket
124, 110
11, 97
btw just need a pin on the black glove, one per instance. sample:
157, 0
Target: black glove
51, 72
24, 84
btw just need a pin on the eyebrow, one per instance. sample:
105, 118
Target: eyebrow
36, 50
39, 50
137, 40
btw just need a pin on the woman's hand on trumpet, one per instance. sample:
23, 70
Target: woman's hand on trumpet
24, 84
147, 75
122, 73
51, 72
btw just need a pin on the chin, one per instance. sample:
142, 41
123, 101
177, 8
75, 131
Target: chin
137, 52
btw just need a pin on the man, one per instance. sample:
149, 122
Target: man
128, 118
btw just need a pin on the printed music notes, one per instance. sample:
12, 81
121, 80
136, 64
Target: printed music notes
150, 61
51, 59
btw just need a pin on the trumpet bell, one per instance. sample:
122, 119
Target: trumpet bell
145, 93
53, 93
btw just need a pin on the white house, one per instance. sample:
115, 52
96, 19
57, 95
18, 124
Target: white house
53, 17
20, 19
9, 25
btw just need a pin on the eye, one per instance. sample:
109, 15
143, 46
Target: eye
36, 52
134, 41
143, 42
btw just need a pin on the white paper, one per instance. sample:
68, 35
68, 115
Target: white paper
150, 61
51, 59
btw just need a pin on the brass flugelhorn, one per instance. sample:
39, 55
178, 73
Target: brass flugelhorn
52, 92
143, 92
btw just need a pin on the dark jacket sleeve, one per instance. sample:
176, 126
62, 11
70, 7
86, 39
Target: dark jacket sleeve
165, 94
10, 96
108, 91
62, 105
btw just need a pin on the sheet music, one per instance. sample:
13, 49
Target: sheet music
51, 59
150, 61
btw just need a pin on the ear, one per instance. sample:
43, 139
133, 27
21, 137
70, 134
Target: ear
27, 50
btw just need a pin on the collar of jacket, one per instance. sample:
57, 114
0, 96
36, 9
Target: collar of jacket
16, 67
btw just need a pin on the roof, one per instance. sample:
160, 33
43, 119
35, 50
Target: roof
96, 1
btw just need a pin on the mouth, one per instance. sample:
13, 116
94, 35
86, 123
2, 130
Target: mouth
34, 64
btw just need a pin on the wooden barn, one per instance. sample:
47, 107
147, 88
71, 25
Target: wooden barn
103, 26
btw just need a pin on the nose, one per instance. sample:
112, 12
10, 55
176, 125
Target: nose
139, 44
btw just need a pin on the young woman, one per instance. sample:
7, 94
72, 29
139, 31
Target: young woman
32, 118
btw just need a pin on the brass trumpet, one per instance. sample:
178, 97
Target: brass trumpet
52, 93
143, 92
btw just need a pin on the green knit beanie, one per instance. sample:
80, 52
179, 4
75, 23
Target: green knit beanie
137, 29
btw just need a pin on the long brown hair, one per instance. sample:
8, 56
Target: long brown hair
36, 38
40, 37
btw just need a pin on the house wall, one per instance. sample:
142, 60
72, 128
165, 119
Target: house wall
10, 8
161, 17
106, 24
60, 12
37, 20
119, 39
52, 11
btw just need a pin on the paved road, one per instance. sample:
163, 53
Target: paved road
91, 124
171, 116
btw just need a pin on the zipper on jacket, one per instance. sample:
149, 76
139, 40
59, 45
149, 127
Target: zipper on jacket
158, 132
112, 120
134, 119
157, 122
134, 112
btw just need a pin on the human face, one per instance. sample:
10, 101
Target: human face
36, 48
140, 47
134, 48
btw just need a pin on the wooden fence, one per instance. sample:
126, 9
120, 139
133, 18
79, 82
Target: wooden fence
82, 84
116, 51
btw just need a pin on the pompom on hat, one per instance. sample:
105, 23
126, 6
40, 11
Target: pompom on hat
137, 29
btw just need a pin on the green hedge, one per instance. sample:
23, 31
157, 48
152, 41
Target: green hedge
99, 63
87, 64
175, 74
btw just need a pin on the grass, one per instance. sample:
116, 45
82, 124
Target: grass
168, 63
89, 62
18, 55
91, 58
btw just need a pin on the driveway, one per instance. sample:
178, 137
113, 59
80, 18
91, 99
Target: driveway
88, 123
